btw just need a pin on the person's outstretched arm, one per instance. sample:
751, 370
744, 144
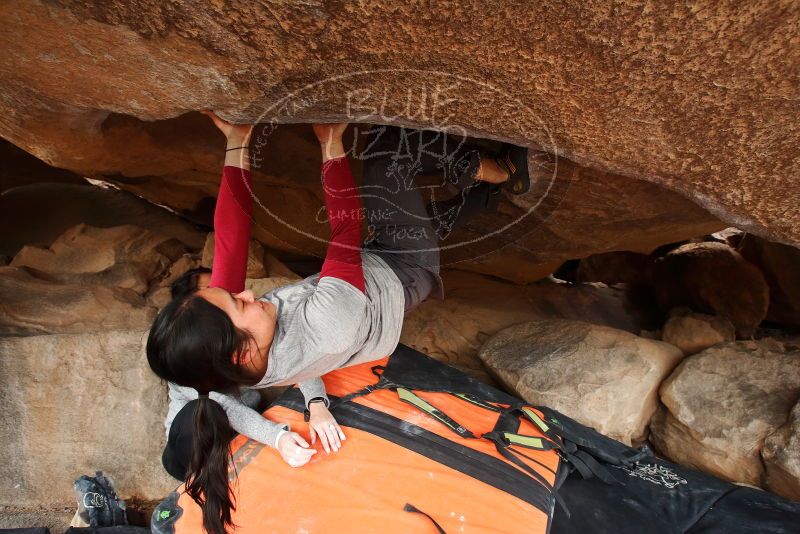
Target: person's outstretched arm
234, 210
343, 205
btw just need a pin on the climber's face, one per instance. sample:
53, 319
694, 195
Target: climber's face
254, 316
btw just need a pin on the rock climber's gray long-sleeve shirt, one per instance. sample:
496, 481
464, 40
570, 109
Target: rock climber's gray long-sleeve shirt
322, 325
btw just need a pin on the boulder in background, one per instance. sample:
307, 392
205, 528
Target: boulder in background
781, 454
713, 278
780, 265
692, 332
721, 404
31, 306
476, 307
602, 377
127, 257
72, 404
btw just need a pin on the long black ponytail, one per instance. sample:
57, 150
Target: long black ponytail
207, 481
194, 343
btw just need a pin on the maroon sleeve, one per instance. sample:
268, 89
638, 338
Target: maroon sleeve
343, 203
232, 227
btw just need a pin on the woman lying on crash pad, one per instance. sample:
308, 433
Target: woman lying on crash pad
211, 342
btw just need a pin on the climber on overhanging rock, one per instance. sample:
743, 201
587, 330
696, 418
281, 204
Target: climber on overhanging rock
212, 342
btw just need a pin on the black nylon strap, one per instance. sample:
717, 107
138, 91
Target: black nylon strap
546, 429
510, 455
477, 402
507, 422
534, 460
578, 464
632, 457
380, 384
411, 508
416, 401
597, 470
488, 469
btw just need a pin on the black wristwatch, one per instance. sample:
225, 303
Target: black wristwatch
306, 412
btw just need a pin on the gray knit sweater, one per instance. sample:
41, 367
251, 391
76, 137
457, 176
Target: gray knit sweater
322, 325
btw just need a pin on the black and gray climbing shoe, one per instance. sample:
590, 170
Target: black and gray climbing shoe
514, 159
98, 504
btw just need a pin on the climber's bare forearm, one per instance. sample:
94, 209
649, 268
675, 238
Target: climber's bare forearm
238, 137
236, 153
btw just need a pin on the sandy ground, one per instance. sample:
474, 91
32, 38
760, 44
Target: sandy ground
56, 520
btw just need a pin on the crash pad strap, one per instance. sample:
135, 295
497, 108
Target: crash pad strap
382, 383
411, 508
503, 436
509, 438
411, 398
477, 402
488, 469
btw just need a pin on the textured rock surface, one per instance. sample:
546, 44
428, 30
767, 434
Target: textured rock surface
477, 307
781, 455
260, 263
661, 97
71, 404
721, 404
780, 265
700, 99
127, 257
713, 278
693, 332
602, 377
731, 236
29, 306
586, 211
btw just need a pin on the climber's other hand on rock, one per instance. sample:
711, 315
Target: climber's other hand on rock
238, 133
329, 136
330, 132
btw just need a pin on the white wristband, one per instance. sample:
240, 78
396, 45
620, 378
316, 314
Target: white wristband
280, 433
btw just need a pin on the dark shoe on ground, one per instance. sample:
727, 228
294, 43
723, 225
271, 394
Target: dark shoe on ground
98, 504
514, 159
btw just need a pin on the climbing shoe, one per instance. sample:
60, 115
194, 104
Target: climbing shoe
514, 159
98, 504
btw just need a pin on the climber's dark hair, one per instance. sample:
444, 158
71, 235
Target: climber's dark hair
207, 478
186, 284
194, 343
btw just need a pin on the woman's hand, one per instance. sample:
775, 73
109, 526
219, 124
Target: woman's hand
330, 132
239, 133
294, 449
321, 423
238, 136
330, 139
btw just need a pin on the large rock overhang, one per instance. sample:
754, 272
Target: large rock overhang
696, 106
